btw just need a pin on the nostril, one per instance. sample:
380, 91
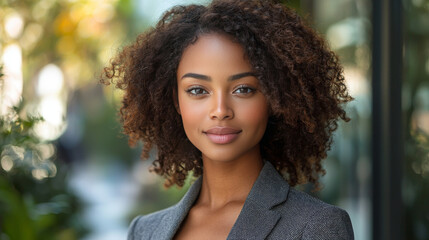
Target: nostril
221, 108
222, 116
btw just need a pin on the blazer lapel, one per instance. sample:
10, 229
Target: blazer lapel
174, 216
257, 218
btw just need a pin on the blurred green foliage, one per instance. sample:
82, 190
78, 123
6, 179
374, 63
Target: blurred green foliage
32, 204
79, 37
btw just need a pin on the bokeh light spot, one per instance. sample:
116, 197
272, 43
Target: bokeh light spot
39, 173
52, 110
51, 80
6, 163
11, 90
14, 25
32, 34
104, 12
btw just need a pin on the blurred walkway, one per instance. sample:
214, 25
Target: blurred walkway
108, 192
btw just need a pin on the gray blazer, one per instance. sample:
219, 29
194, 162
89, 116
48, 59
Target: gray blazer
272, 210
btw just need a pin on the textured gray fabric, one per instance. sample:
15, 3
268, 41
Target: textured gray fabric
272, 210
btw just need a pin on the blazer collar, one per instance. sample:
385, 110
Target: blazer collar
175, 215
256, 218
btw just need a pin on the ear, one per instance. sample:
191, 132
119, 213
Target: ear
176, 101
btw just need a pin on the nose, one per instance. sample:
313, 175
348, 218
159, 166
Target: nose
221, 109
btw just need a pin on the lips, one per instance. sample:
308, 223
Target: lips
222, 135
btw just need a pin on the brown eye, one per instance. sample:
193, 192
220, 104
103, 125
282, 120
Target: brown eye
244, 90
196, 91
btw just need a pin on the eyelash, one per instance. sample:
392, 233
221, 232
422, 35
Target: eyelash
250, 90
192, 91
199, 91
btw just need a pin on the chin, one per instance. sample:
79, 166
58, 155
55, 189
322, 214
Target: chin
217, 158
229, 155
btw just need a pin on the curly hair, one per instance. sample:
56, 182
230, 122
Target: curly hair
300, 77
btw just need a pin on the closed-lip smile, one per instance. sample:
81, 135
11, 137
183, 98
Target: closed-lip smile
222, 135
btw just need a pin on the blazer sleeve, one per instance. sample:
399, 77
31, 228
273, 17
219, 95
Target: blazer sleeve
329, 222
132, 228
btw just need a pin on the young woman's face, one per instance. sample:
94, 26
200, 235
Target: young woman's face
223, 110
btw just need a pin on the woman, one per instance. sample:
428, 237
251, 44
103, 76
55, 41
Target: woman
247, 97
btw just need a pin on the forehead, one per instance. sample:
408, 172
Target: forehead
214, 52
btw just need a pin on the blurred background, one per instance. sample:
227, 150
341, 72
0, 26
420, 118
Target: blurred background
66, 171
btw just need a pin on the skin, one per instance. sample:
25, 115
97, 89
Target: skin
216, 88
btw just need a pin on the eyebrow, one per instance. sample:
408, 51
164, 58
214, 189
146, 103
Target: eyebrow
241, 75
197, 76
207, 78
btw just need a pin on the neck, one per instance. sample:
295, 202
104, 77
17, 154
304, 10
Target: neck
227, 182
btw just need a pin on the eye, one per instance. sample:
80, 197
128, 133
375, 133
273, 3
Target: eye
244, 90
196, 91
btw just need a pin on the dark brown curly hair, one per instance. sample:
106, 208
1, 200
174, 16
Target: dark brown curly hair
300, 77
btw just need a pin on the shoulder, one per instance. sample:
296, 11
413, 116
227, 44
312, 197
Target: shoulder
293, 214
143, 226
310, 218
164, 223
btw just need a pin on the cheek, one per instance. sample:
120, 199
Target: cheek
191, 113
255, 113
